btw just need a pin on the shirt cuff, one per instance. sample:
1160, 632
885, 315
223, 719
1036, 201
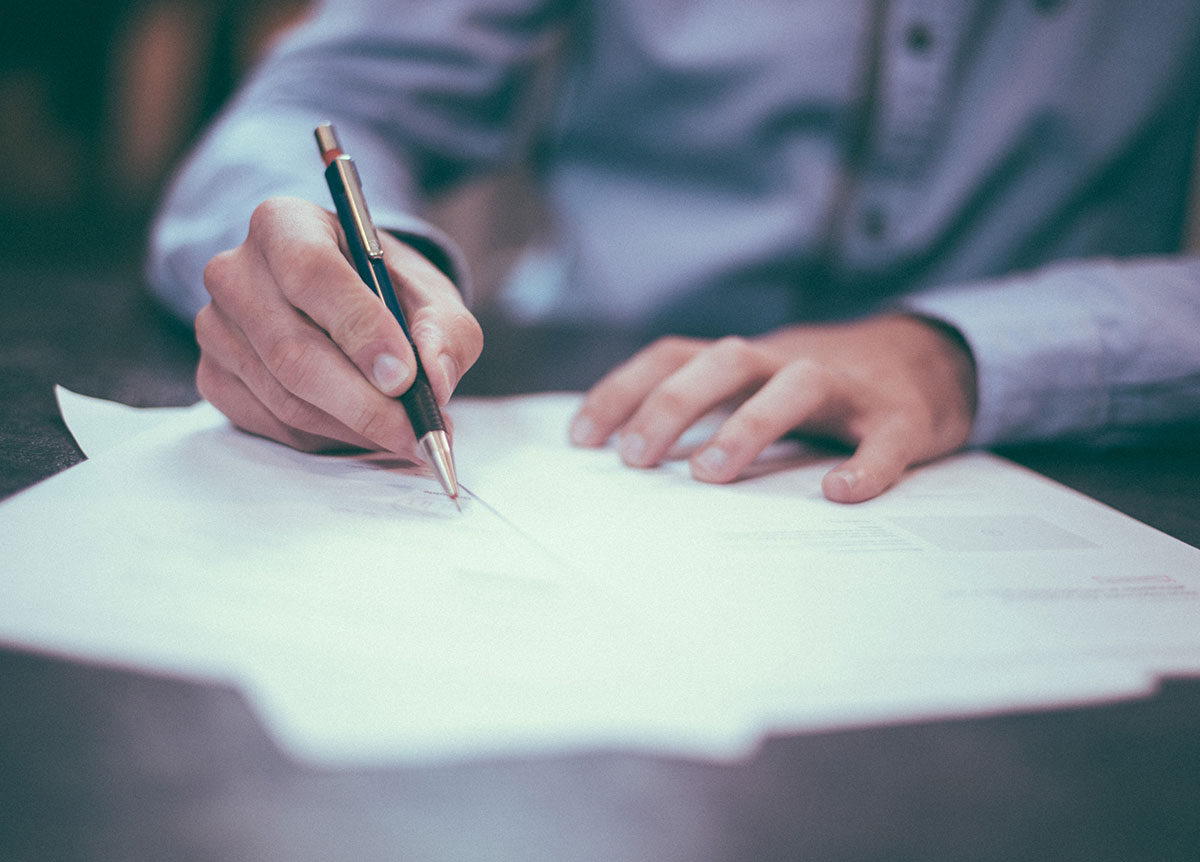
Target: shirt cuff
1038, 354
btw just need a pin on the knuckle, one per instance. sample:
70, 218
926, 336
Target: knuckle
803, 369
206, 381
203, 325
600, 398
669, 399
292, 411
754, 425
268, 213
608, 403
292, 362
807, 375
298, 256
459, 330
466, 330
375, 425
359, 323
733, 347
675, 348
735, 352
214, 337
307, 266
244, 365
218, 272
425, 330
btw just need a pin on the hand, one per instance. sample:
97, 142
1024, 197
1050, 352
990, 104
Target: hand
293, 345
900, 389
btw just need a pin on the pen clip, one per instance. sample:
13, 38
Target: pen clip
337, 160
359, 214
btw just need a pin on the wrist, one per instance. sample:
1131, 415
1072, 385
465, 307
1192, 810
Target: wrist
947, 362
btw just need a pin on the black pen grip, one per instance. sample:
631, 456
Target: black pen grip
419, 401
421, 406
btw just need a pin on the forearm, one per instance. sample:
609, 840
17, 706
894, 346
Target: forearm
209, 204
422, 101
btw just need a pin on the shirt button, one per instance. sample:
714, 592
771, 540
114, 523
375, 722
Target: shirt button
1048, 7
874, 223
918, 37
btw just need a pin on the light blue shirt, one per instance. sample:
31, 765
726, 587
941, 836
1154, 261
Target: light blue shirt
1015, 168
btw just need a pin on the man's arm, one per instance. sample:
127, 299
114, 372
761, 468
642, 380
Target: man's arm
897, 388
290, 345
1098, 351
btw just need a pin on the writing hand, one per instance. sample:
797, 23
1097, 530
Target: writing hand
293, 345
898, 388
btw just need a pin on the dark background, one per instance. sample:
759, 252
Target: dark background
97, 101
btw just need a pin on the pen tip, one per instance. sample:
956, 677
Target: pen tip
436, 446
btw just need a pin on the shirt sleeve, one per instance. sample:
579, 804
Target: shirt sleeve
1101, 351
422, 94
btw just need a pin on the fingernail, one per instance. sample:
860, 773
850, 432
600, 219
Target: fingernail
849, 478
711, 461
632, 448
390, 372
582, 431
449, 372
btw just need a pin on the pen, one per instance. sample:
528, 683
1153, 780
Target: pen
361, 237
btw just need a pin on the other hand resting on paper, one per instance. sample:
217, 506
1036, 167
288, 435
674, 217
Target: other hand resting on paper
294, 347
899, 388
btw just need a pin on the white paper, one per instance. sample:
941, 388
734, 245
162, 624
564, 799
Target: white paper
575, 602
99, 425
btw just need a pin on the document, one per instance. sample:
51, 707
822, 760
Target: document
576, 603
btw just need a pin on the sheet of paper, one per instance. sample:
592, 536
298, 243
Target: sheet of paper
574, 602
99, 425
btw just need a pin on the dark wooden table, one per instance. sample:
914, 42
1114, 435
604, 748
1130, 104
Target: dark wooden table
105, 764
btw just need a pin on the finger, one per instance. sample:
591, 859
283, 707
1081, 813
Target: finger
619, 393
297, 354
791, 398
879, 461
298, 246
724, 369
227, 356
448, 338
243, 408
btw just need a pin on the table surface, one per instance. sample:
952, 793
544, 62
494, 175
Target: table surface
100, 763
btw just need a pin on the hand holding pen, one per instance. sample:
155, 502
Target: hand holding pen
292, 346
367, 253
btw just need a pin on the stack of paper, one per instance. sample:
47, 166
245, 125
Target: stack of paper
576, 602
